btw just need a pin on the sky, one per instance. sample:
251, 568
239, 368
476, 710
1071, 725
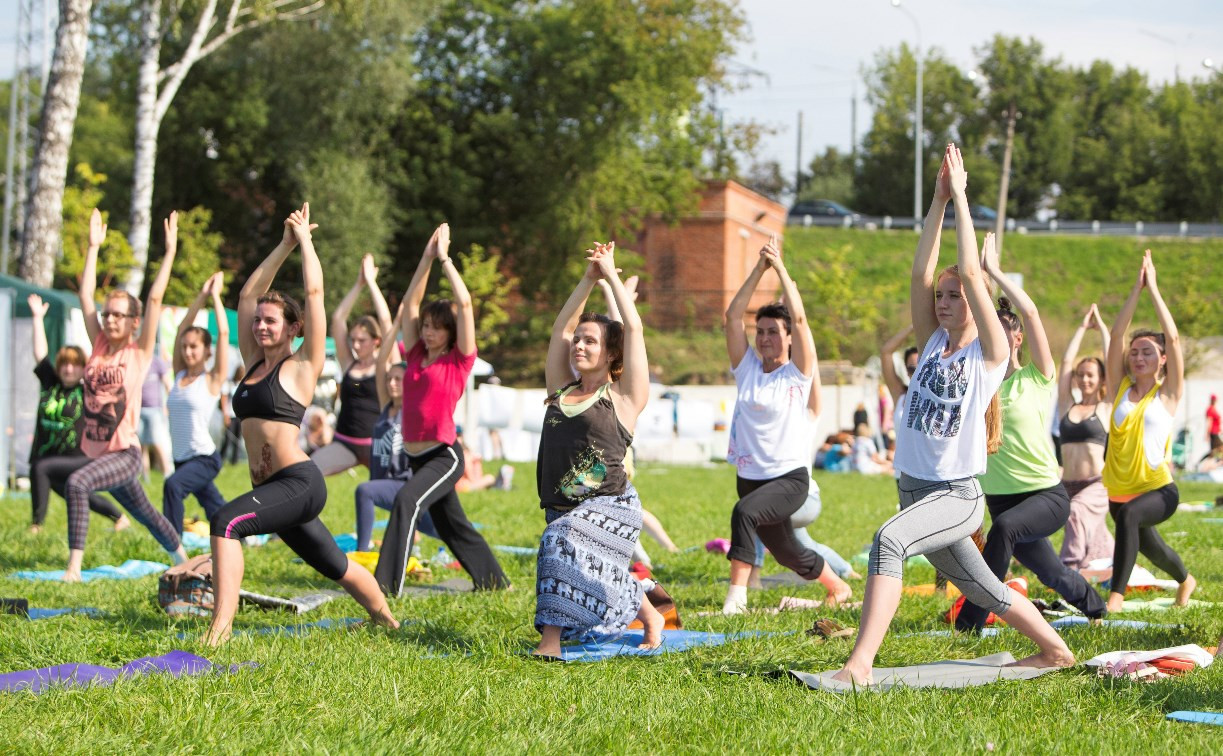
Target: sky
809, 54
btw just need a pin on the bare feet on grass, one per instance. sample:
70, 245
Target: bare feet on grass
549, 644
384, 618
34, 529
1055, 658
838, 590
72, 576
1115, 600
855, 676
122, 523
1185, 590
653, 621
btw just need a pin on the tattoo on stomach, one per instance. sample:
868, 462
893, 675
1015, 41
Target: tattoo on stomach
262, 469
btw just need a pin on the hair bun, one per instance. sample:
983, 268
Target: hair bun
1004, 303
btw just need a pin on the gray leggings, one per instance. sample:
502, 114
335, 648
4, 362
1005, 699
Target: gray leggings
938, 519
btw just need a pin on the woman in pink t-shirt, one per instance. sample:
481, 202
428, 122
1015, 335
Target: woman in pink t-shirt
114, 373
441, 352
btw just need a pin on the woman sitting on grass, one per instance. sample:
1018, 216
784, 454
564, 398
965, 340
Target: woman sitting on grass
289, 491
583, 583
943, 441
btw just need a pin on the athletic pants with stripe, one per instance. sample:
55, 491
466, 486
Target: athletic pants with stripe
431, 489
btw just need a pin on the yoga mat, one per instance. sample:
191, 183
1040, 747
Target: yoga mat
942, 674
175, 664
1197, 717
673, 641
296, 604
452, 585
346, 541
132, 568
196, 542
1162, 604
519, 550
1128, 624
88, 611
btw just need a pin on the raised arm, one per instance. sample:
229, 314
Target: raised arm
1174, 379
38, 312
994, 343
802, 344
1116, 347
465, 318
925, 260
1038, 341
634, 382
314, 349
382, 363
89, 276
887, 362
176, 356
382, 311
339, 320
415, 295
257, 284
157, 292
613, 310
736, 333
1065, 380
220, 360
557, 370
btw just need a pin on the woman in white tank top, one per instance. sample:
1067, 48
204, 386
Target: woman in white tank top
193, 400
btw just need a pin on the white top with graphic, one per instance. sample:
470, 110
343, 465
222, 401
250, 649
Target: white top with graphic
769, 434
941, 434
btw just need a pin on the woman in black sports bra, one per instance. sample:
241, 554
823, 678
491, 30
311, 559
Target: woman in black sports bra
356, 350
289, 492
1083, 430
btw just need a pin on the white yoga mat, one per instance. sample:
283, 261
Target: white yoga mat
963, 673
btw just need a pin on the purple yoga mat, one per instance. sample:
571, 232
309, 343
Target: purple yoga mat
175, 663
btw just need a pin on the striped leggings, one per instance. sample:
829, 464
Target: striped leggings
938, 518
118, 472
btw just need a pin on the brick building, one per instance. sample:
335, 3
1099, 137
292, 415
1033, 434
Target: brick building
694, 268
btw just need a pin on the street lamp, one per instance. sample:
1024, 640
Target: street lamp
917, 129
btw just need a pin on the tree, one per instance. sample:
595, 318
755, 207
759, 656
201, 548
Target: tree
205, 32
829, 176
115, 257
44, 215
767, 179
488, 286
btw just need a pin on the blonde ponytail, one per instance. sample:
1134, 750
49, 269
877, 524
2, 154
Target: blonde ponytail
993, 425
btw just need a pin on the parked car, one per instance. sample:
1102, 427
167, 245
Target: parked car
822, 209
977, 212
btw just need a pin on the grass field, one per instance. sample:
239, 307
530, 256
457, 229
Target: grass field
455, 677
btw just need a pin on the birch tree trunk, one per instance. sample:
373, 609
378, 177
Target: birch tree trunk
44, 216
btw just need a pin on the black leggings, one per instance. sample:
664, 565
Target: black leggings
1136, 520
764, 509
288, 504
431, 489
51, 474
1022, 524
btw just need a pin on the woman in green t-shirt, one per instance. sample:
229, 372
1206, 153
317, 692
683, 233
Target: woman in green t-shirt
1023, 489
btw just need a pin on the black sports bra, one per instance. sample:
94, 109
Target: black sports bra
267, 399
1089, 431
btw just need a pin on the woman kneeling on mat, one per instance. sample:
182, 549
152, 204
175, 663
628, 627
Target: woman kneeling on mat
770, 436
1141, 493
943, 442
289, 491
583, 583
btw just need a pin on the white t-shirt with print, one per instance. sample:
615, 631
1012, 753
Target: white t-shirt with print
770, 434
941, 434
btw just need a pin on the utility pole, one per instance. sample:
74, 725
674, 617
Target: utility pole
22, 102
1011, 114
798, 159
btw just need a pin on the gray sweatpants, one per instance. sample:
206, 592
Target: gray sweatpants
938, 518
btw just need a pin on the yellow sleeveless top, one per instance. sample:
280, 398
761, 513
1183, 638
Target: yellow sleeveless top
1126, 472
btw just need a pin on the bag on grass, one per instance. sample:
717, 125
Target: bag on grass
186, 589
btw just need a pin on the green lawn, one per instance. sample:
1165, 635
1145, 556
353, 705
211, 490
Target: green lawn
455, 678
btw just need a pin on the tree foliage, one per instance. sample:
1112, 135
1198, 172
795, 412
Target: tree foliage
115, 259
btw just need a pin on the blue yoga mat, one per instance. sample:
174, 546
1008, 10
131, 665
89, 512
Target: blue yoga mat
196, 542
88, 611
132, 568
1130, 624
626, 645
175, 664
519, 550
1198, 717
301, 629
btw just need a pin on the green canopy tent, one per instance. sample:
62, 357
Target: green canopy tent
61, 303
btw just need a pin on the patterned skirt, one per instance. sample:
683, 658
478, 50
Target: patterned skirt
583, 584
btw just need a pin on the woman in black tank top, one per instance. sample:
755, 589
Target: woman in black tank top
1083, 433
583, 583
288, 492
357, 390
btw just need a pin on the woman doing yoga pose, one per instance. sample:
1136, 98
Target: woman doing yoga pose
123, 347
441, 352
1023, 492
1083, 430
583, 582
289, 492
1141, 493
770, 436
192, 402
943, 441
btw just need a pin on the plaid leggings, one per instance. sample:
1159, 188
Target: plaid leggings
118, 472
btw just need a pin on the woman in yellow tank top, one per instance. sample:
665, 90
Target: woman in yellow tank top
1141, 492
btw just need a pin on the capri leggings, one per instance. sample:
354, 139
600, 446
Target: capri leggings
288, 504
938, 518
118, 472
1136, 520
764, 509
49, 474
